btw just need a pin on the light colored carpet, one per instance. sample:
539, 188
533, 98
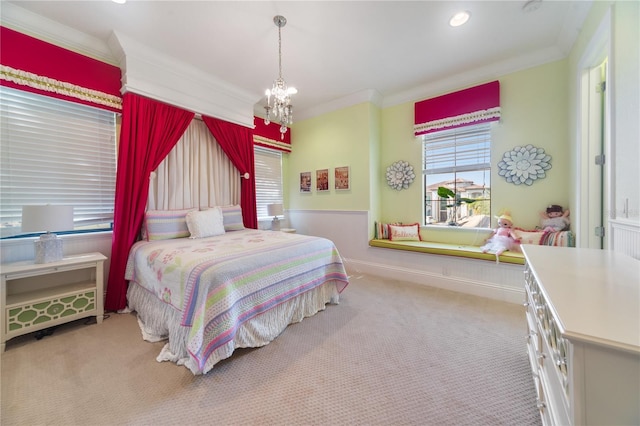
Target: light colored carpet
391, 353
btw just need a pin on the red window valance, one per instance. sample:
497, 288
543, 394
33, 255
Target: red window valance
474, 105
36, 66
269, 136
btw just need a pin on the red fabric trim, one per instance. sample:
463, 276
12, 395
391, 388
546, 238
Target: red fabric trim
237, 142
26, 53
269, 136
467, 101
150, 130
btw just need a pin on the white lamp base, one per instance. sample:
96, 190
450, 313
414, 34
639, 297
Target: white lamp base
275, 224
48, 248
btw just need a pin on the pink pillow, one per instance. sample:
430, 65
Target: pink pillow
405, 232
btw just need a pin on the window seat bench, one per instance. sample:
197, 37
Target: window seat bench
448, 249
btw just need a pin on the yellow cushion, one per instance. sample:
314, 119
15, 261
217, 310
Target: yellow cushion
471, 252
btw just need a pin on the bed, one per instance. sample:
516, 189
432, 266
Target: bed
210, 295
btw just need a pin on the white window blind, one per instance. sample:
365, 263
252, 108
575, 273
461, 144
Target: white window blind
55, 152
458, 159
268, 164
458, 150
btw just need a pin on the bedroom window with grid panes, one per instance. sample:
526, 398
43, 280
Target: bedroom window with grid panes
458, 159
55, 152
268, 170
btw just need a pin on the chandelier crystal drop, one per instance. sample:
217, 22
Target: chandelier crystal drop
278, 105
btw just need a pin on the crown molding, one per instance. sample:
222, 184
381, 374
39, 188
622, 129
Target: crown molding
45, 29
468, 78
369, 95
151, 73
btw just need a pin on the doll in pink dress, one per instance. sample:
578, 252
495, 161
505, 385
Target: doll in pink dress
503, 237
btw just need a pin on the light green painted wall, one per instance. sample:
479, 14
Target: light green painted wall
339, 138
534, 105
534, 111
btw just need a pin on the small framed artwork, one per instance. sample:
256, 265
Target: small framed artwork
322, 180
341, 178
305, 182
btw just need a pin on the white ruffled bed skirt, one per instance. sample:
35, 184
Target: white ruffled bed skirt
159, 321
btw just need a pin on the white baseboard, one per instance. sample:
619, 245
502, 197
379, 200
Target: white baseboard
430, 279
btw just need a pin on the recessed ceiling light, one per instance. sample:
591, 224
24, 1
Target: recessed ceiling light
459, 18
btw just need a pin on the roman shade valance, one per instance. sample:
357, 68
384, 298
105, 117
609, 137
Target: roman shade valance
269, 136
474, 105
36, 66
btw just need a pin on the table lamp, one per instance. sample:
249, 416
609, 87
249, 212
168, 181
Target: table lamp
47, 218
275, 210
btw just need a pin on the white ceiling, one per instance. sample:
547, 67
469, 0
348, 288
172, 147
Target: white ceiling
333, 52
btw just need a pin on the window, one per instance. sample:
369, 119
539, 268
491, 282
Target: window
268, 165
55, 152
459, 160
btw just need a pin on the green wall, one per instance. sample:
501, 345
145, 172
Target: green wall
347, 137
534, 111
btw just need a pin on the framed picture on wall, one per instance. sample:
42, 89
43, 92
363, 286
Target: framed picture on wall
341, 178
305, 182
322, 180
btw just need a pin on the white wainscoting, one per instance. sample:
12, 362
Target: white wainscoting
20, 249
625, 237
349, 231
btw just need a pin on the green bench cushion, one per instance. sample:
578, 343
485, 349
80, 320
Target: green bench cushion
470, 252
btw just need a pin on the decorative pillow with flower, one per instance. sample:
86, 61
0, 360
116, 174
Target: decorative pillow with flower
405, 232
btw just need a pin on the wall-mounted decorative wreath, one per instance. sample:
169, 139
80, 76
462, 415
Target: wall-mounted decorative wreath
400, 175
524, 165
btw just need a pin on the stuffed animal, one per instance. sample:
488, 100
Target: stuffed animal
503, 237
554, 219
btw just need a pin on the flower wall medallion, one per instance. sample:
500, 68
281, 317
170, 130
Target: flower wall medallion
524, 165
400, 175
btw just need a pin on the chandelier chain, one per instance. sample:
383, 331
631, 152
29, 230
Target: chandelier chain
279, 96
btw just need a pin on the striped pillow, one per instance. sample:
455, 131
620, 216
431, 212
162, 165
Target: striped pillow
166, 224
232, 218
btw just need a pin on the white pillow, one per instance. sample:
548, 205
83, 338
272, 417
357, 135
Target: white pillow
205, 223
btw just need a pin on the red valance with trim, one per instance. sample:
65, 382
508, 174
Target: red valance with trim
474, 105
36, 66
269, 136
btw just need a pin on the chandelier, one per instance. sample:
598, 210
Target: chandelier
278, 104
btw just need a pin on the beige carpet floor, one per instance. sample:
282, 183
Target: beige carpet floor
392, 353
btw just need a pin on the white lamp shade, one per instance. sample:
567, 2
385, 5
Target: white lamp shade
47, 218
274, 209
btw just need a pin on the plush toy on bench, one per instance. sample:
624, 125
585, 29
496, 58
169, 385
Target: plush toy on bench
554, 219
503, 237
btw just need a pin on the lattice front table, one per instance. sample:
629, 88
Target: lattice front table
38, 296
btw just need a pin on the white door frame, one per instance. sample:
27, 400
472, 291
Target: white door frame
598, 50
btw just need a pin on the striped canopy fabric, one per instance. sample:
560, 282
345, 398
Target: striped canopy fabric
269, 136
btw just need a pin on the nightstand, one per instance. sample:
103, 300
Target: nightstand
288, 230
35, 296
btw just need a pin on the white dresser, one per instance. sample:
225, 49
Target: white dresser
583, 336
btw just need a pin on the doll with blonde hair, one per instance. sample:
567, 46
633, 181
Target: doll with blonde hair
503, 237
